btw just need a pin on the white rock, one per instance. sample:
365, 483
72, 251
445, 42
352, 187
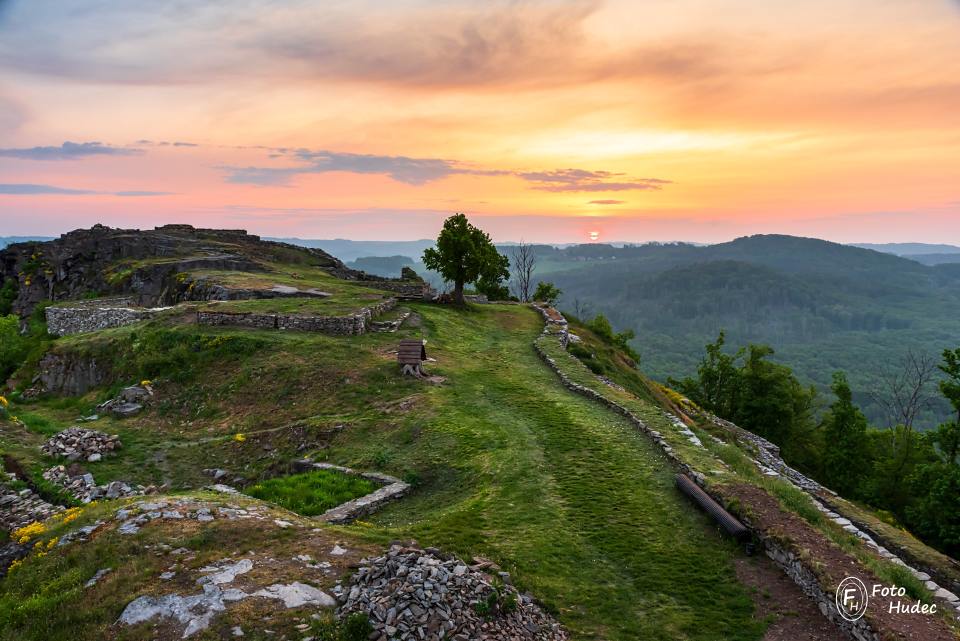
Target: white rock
297, 594
226, 573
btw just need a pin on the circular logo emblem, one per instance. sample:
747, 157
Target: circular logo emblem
852, 598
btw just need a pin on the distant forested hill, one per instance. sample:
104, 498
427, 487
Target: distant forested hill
9, 240
822, 306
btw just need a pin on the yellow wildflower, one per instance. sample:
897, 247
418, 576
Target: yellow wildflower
52, 542
27, 532
4, 401
13, 566
146, 383
239, 437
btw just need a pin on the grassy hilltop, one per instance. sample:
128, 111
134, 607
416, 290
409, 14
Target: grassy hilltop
506, 463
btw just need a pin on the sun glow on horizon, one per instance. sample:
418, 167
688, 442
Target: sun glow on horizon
548, 120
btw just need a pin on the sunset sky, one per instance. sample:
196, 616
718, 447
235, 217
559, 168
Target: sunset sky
696, 120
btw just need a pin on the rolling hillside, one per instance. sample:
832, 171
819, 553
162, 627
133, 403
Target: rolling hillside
822, 306
519, 460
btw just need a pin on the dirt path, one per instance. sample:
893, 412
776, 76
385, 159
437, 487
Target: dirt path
794, 617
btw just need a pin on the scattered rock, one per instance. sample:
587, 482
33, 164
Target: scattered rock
130, 401
96, 577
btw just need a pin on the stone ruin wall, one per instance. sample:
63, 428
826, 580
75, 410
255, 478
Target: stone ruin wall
337, 325
64, 321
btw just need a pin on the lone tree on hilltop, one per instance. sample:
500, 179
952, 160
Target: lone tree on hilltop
465, 254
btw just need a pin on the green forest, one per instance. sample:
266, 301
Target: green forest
821, 306
911, 477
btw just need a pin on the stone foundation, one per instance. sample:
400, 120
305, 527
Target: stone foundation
391, 490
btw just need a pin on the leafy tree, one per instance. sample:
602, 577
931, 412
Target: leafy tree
8, 294
895, 455
771, 401
465, 254
13, 346
547, 293
844, 430
718, 380
935, 512
950, 387
493, 290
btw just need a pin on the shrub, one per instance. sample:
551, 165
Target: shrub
13, 346
547, 293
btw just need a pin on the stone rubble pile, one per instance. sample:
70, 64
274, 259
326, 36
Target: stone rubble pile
83, 488
77, 443
410, 593
130, 401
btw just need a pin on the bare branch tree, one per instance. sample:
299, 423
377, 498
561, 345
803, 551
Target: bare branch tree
904, 391
523, 263
579, 308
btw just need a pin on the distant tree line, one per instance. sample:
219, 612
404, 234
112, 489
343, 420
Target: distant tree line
912, 476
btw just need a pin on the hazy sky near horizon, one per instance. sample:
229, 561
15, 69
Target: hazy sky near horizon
698, 120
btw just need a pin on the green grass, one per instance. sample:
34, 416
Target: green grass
311, 493
568, 496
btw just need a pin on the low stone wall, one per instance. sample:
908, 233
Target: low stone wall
238, 319
404, 289
337, 325
391, 490
63, 321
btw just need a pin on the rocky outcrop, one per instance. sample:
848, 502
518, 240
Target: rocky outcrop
70, 374
206, 288
142, 264
410, 593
